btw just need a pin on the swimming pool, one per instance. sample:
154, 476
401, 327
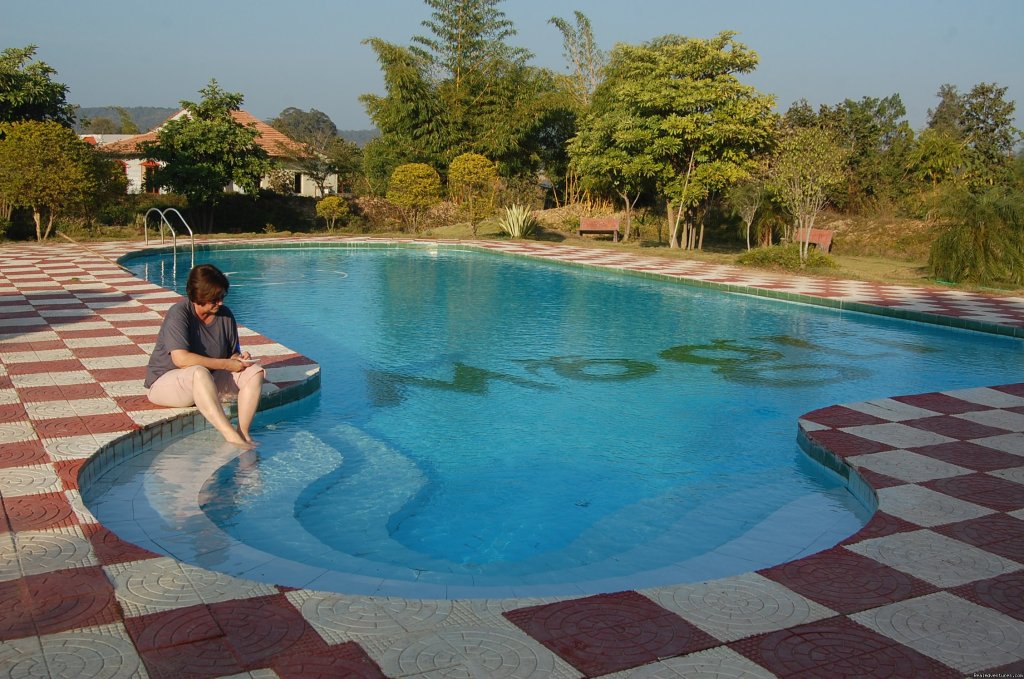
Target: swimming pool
491, 425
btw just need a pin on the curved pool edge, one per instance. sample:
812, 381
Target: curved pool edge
933, 564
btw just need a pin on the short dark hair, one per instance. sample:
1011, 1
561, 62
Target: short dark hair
206, 283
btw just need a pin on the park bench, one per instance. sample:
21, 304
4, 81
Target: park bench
598, 225
820, 238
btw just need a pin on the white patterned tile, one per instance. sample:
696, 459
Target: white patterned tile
54, 549
897, 435
13, 432
52, 379
1015, 474
958, 633
131, 361
102, 651
926, 507
934, 558
715, 663
1008, 443
737, 607
907, 466
339, 618
987, 397
31, 480
36, 356
110, 341
891, 411
496, 653
1001, 419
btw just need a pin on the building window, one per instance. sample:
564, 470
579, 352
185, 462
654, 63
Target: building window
297, 185
148, 184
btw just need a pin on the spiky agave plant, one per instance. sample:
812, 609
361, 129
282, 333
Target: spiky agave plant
518, 221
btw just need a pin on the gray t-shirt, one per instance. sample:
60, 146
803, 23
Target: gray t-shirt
182, 329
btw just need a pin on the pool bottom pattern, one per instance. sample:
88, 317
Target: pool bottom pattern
932, 586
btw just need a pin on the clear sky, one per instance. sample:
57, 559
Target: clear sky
309, 53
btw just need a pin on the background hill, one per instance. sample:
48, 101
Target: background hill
144, 117
148, 117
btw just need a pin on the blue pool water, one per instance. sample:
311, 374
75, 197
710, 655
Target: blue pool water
491, 424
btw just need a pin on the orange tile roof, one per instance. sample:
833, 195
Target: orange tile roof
277, 144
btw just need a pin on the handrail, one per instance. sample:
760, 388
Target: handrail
174, 234
163, 220
192, 236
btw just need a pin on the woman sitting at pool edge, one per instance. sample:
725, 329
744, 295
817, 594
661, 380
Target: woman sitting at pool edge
198, 359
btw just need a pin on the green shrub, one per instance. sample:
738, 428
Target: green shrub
518, 221
785, 257
982, 238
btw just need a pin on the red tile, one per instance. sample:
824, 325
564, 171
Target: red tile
73, 598
997, 533
940, 403
33, 368
110, 549
1015, 389
131, 404
104, 352
880, 525
173, 628
1004, 593
61, 427
38, 512
109, 423
982, 489
610, 632
260, 628
877, 480
32, 346
841, 416
970, 455
87, 390
15, 611
844, 444
88, 334
41, 394
118, 374
22, 454
344, 660
67, 471
846, 582
837, 648
196, 660
12, 412
954, 427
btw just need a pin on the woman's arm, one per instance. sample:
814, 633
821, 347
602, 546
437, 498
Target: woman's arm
183, 358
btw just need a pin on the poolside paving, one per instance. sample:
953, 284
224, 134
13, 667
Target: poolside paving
933, 586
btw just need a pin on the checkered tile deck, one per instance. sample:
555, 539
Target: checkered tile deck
933, 586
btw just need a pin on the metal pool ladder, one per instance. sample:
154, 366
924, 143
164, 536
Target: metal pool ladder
174, 236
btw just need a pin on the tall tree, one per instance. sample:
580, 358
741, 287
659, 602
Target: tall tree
807, 164
984, 121
679, 100
204, 151
460, 89
877, 138
586, 60
45, 167
324, 152
28, 91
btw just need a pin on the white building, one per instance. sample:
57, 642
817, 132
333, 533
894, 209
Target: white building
282, 150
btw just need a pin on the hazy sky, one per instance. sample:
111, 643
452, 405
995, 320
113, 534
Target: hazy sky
309, 53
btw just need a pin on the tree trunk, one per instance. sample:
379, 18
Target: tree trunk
37, 217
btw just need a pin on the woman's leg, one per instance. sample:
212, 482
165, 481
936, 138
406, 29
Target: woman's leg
195, 386
250, 384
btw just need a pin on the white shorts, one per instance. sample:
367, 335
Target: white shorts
174, 388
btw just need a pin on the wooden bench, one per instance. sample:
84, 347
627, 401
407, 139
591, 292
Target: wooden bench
820, 238
599, 225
